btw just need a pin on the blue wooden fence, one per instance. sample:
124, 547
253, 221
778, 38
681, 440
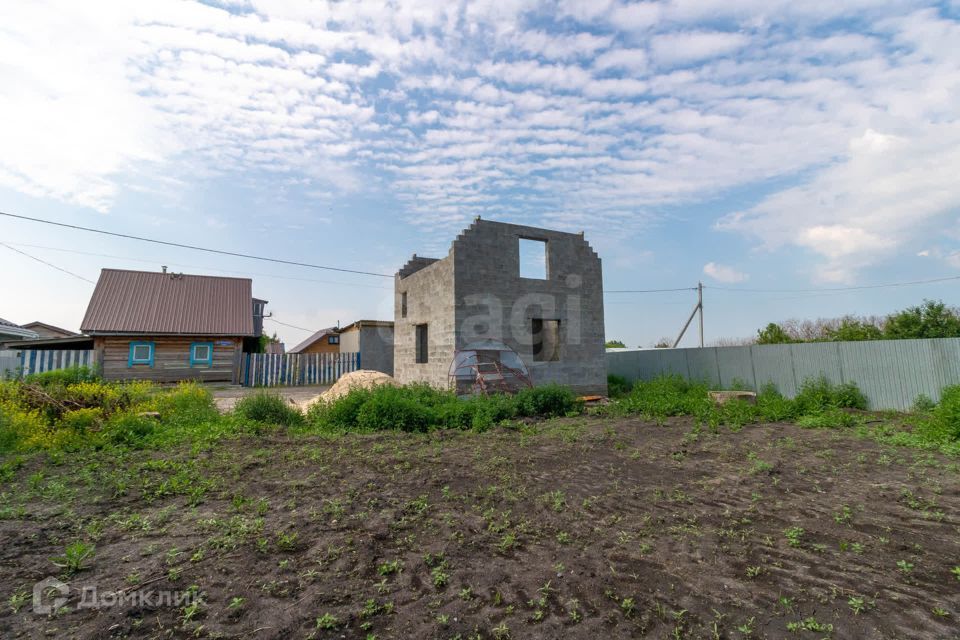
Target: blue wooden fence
38, 361
295, 369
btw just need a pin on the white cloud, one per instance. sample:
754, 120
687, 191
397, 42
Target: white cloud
686, 47
630, 59
723, 273
598, 116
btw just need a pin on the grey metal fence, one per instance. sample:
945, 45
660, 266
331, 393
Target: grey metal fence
9, 364
891, 373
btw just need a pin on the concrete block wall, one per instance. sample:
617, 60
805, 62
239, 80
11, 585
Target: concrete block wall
476, 293
493, 301
429, 301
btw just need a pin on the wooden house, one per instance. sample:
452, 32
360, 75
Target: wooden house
48, 331
323, 341
168, 327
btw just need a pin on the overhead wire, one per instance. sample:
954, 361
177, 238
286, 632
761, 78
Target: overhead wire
49, 264
235, 254
193, 266
292, 326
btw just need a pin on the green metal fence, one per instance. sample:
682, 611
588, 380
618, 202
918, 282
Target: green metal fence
891, 373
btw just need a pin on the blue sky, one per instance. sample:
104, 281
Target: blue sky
746, 143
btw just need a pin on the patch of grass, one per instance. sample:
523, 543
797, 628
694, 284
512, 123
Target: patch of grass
828, 419
618, 386
268, 408
418, 408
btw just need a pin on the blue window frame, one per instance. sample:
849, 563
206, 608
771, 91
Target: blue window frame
201, 353
141, 353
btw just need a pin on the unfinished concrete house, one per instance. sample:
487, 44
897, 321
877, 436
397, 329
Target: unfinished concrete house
503, 288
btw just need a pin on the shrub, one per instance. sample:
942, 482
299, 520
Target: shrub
340, 413
773, 407
21, 428
394, 408
188, 404
617, 386
488, 411
549, 400
819, 394
420, 408
268, 408
923, 404
944, 422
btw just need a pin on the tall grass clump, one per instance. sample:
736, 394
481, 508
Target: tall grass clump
667, 396
618, 386
268, 408
819, 404
772, 406
819, 394
419, 407
943, 423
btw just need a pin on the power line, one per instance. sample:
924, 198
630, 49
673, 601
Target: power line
290, 325
193, 247
650, 290
52, 266
829, 289
193, 266
822, 290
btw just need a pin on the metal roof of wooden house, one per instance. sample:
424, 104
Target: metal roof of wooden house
329, 331
149, 302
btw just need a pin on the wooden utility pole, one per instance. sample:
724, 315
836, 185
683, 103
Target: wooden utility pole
698, 308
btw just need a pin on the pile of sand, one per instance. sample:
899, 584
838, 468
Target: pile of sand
362, 379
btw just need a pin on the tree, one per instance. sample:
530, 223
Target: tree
615, 344
932, 319
663, 343
773, 334
852, 329
264, 341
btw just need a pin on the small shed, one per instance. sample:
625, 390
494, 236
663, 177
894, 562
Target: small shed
168, 327
373, 340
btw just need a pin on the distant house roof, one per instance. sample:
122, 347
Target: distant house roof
70, 342
42, 328
8, 328
148, 302
367, 323
329, 331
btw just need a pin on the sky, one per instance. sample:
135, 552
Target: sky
774, 150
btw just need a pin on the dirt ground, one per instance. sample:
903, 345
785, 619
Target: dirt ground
576, 528
226, 397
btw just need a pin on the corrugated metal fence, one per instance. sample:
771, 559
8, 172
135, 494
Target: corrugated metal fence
891, 373
295, 369
9, 364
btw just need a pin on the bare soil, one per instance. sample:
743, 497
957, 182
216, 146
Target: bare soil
576, 528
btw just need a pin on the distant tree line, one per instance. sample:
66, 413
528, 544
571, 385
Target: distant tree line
932, 319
